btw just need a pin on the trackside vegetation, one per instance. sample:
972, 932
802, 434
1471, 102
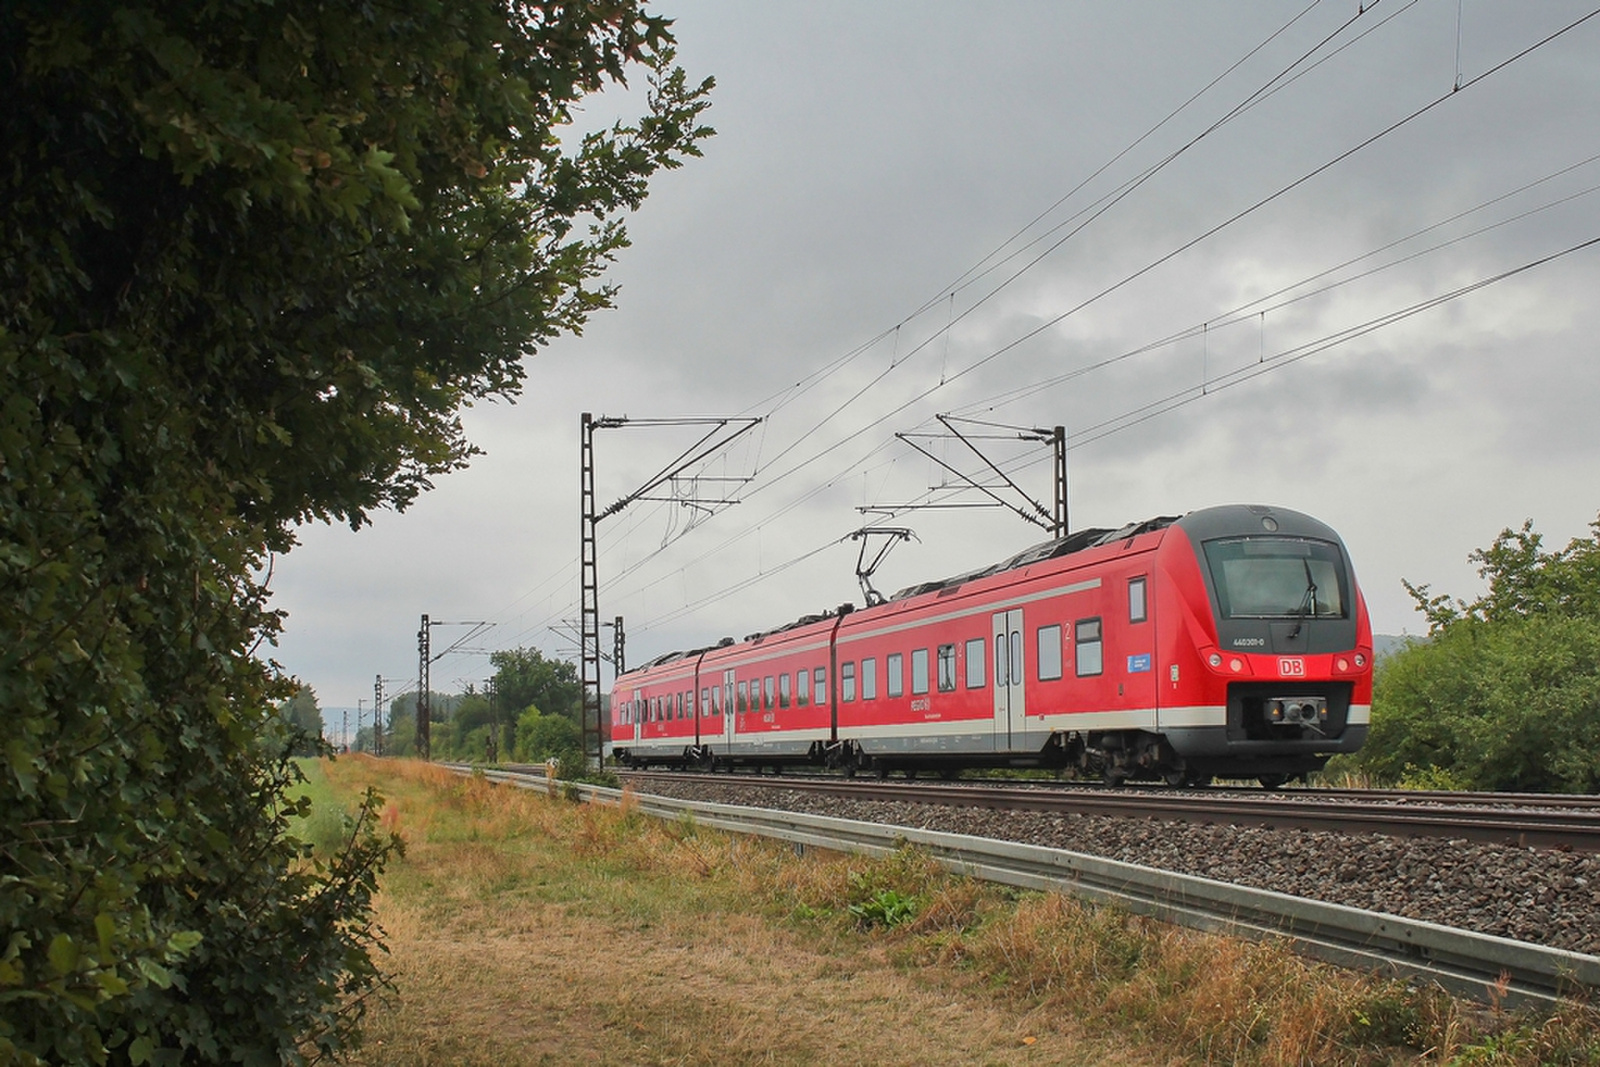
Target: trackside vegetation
530, 711
254, 258
527, 927
1504, 692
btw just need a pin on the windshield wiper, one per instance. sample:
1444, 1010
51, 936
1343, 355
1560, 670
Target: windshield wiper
1308, 603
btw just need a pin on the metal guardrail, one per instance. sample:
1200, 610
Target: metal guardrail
1480, 966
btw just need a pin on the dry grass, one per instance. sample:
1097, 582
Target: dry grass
527, 929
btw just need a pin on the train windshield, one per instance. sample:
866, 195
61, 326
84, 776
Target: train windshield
1278, 578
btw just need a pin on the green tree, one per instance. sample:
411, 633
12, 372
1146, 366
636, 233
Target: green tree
253, 260
1505, 693
1523, 580
463, 735
544, 737
523, 677
303, 718
400, 735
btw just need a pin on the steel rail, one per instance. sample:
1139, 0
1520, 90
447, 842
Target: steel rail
1558, 801
1578, 829
1480, 966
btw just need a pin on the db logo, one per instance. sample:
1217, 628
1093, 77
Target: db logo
1292, 667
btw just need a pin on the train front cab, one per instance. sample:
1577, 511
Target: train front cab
1268, 650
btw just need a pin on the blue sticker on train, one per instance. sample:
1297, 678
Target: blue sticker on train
1139, 664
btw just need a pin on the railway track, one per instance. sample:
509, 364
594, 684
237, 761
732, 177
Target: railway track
1528, 820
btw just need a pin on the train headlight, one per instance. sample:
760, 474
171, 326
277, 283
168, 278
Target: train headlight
1215, 659
1236, 665
1361, 660
1343, 664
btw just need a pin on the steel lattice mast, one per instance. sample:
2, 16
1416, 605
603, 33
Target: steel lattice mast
713, 441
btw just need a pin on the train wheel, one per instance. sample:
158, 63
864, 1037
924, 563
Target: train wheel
1177, 778
1272, 781
1112, 776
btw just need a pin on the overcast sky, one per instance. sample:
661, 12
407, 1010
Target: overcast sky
1022, 213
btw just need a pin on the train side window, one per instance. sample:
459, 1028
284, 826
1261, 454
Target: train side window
688, 704
919, 671
869, 679
744, 696
847, 681
783, 690
895, 682
975, 663
1138, 610
1090, 651
819, 678
802, 688
768, 701
705, 703
1049, 652
947, 668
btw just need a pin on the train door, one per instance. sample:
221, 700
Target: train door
636, 713
1143, 684
727, 708
1009, 673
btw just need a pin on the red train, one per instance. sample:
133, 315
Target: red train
1232, 642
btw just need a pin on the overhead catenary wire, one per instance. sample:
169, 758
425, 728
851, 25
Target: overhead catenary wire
1181, 398
782, 474
1167, 256
793, 392
1095, 210
1252, 308
1177, 399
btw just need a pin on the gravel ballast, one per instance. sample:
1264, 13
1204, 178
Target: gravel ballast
1541, 896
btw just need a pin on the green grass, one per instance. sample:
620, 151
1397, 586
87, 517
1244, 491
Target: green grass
727, 947
326, 827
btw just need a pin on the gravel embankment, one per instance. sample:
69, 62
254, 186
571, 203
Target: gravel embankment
1541, 896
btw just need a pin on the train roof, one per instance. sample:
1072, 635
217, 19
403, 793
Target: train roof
1080, 541
1203, 524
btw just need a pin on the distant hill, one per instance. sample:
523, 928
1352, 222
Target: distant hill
1388, 644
